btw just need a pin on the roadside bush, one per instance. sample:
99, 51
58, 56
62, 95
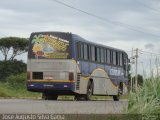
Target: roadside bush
8, 68
15, 86
17, 81
3, 91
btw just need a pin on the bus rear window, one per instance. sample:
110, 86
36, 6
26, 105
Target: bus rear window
49, 46
37, 75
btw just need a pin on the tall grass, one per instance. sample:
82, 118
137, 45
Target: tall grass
15, 86
146, 100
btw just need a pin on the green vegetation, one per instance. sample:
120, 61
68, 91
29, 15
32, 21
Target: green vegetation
146, 100
15, 87
8, 68
14, 45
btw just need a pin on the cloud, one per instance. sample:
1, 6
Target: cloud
150, 46
21, 18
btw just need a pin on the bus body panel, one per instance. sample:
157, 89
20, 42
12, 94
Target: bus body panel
55, 74
102, 83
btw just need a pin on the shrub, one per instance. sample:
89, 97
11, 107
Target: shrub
16, 87
17, 81
8, 68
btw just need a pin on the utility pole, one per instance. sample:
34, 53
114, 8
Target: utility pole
131, 63
136, 76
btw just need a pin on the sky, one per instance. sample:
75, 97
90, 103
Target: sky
123, 24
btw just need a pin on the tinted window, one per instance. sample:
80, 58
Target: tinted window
102, 55
85, 52
82, 54
37, 75
89, 52
49, 45
79, 50
97, 54
108, 56
121, 59
92, 53
114, 58
117, 58
105, 56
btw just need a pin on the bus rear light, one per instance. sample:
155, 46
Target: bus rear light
28, 76
71, 76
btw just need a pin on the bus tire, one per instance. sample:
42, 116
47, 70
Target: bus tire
116, 97
89, 91
78, 97
47, 96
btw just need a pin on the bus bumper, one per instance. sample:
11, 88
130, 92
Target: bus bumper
43, 86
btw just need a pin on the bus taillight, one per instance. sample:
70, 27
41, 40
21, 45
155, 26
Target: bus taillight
28, 76
71, 76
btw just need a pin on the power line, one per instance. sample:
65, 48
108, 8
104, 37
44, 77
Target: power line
131, 27
147, 52
147, 6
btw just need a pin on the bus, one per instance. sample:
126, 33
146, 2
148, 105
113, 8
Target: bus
62, 63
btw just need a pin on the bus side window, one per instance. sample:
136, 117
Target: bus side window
86, 52
105, 56
79, 50
102, 55
93, 53
111, 57
97, 54
121, 59
108, 56
89, 52
114, 58
117, 59
82, 53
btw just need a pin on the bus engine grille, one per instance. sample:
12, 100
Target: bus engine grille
78, 81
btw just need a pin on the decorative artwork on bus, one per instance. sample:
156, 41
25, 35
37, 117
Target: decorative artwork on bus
49, 46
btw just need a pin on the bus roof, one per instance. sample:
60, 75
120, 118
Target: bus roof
80, 39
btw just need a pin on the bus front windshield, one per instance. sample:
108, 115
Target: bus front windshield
48, 46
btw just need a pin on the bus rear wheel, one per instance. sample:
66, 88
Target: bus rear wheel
89, 91
79, 98
116, 97
47, 96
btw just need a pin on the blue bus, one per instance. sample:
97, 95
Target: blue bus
62, 63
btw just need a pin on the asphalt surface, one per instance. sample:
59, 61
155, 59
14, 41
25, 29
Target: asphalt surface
27, 106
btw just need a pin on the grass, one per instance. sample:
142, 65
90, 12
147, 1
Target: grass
14, 86
146, 100
8, 91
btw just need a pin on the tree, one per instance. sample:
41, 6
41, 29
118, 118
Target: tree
14, 44
140, 79
14, 67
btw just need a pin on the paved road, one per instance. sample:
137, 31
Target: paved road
61, 107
